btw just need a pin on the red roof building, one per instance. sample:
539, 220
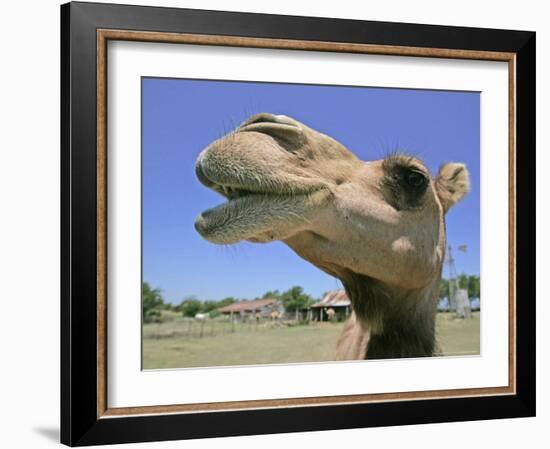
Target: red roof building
338, 301
261, 306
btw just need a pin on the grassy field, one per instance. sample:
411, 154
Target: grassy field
177, 343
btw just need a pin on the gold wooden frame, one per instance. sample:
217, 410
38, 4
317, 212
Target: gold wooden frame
104, 35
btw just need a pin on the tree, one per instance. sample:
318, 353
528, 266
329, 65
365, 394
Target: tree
271, 294
474, 287
469, 282
444, 288
153, 303
209, 306
295, 299
226, 302
190, 306
168, 306
463, 281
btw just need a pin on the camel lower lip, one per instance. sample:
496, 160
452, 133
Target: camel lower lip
248, 216
206, 217
216, 218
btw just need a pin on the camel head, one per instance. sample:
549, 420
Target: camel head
380, 219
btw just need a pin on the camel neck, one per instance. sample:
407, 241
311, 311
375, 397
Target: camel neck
400, 323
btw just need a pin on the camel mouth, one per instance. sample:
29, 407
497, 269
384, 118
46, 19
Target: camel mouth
250, 213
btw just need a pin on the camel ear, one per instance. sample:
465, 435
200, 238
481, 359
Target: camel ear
452, 183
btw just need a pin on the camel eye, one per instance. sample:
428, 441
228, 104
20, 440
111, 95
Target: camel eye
415, 179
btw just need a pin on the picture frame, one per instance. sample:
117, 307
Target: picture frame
86, 29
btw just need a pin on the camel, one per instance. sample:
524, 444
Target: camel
378, 226
330, 313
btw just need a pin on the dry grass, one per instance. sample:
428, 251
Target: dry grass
456, 336
169, 345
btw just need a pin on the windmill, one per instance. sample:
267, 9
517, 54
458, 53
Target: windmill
453, 277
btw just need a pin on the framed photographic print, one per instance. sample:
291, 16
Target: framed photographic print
280, 224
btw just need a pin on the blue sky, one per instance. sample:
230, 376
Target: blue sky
180, 117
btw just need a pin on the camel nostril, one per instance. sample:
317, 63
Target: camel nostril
200, 224
260, 118
284, 130
266, 118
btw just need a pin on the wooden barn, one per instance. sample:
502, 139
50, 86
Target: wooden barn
334, 306
258, 308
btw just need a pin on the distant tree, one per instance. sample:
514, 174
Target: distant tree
271, 294
474, 287
178, 307
443, 288
226, 302
153, 303
190, 306
463, 281
168, 306
469, 282
208, 306
295, 299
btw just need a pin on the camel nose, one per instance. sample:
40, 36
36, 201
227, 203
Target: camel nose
286, 131
200, 174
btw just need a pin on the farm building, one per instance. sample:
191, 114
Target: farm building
335, 305
262, 308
